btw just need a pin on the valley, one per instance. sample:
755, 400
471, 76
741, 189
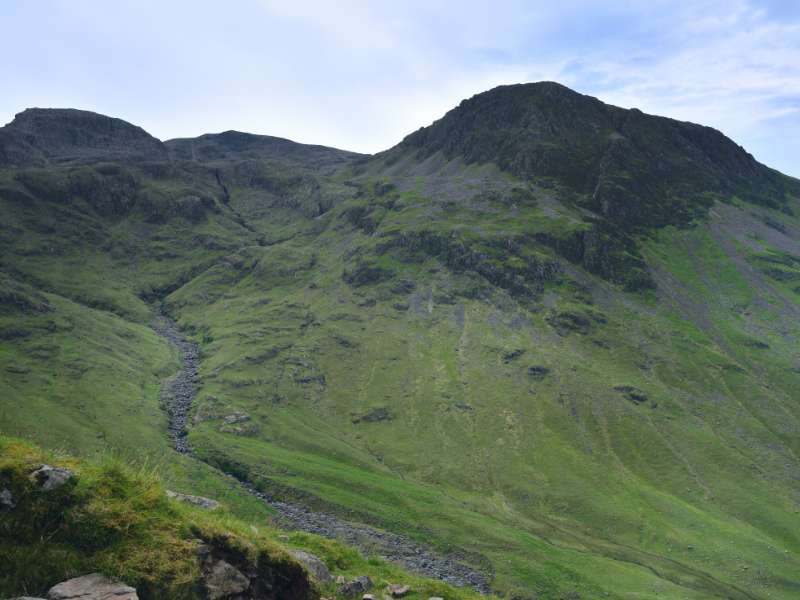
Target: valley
545, 346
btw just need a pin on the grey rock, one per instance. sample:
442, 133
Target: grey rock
7, 501
313, 565
222, 580
200, 501
50, 478
397, 590
356, 587
92, 587
236, 417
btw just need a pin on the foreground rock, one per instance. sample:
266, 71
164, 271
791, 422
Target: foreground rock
49, 478
356, 587
7, 501
199, 501
92, 587
222, 580
314, 566
396, 590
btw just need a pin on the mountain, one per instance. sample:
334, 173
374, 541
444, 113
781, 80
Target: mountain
632, 168
551, 341
38, 136
238, 145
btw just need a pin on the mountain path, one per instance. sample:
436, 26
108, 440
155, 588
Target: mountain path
177, 396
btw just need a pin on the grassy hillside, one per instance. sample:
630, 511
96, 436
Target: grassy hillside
116, 519
466, 350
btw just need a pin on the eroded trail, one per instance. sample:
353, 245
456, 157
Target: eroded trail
177, 396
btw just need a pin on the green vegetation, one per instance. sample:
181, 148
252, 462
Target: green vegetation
579, 404
116, 519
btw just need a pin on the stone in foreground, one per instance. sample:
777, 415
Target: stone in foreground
223, 580
313, 565
397, 590
199, 501
356, 587
49, 478
92, 587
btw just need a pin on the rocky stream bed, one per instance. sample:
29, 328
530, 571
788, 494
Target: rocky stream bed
177, 396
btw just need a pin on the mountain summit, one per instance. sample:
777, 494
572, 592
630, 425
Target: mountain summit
69, 135
633, 168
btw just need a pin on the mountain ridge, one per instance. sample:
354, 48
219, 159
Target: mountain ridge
476, 355
609, 156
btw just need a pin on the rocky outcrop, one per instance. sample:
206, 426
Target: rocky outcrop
48, 478
60, 135
228, 573
222, 580
356, 587
199, 501
396, 590
315, 566
604, 250
92, 587
512, 263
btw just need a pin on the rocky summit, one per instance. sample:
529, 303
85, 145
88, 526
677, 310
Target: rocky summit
544, 347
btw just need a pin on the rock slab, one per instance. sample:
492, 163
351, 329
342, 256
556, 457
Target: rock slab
91, 587
200, 501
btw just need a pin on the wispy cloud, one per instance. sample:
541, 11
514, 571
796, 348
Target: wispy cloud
361, 74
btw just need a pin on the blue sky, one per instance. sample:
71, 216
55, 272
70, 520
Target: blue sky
362, 74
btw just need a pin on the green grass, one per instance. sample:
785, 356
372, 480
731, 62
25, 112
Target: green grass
555, 485
116, 519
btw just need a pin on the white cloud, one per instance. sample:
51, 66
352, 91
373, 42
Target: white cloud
361, 75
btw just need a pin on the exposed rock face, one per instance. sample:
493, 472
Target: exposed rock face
92, 587
49, 478
69, 135
222, 580
313, 565
634, 169
194, 500
226, 573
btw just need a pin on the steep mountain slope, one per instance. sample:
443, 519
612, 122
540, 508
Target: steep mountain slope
552, 337
632, 168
